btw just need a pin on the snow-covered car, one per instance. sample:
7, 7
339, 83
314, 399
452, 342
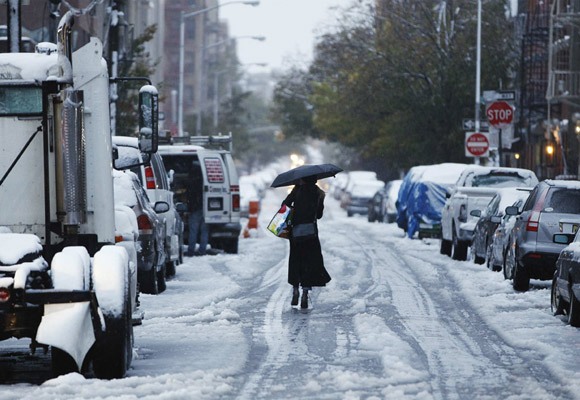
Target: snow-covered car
353, 178
154, 179
473, 191
150, 256
376, 207
357, 199
421, 198
390, 201
552, 208
489, 220
565, 296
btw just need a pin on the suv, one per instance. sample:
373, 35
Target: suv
552, 208
155, 181
221, 196
473, 191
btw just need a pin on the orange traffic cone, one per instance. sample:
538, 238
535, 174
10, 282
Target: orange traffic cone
252, 218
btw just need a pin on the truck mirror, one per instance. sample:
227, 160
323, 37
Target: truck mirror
148, 119
161, 207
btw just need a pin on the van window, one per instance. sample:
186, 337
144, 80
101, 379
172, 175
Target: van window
213, 167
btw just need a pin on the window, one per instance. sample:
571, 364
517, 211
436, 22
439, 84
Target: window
20, 100
562, 200
215, 172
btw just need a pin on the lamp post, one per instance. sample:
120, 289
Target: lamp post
185, 15
478, 72
199, 84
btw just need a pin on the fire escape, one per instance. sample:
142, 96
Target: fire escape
563, 89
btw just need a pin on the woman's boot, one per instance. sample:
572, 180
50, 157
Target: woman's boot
304, 302
295, 295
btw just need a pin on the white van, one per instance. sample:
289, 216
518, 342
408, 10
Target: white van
221, 190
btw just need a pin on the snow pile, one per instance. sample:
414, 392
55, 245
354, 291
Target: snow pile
110, 278
14, 246
28, 66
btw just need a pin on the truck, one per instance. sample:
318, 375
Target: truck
221, 187
64, 284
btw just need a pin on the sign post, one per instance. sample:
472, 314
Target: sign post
476, 144
499, 115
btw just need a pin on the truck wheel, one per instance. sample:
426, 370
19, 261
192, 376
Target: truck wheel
113, 351
445, 248
231, 246
62, 362
148, 281
459, 249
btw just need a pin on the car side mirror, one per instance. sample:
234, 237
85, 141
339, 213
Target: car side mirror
148, 119
495, 219
475, 213
181, 207
512, 210
563, 238
447, 193
161, 207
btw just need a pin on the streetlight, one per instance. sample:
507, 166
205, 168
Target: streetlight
199, 84
185, 15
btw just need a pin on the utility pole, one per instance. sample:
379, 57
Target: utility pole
14, 26
114, 48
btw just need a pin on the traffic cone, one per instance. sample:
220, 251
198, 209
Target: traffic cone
252, 218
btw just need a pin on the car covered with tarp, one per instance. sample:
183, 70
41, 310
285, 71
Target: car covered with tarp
422, 196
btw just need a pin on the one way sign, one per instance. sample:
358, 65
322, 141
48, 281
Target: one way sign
469, 125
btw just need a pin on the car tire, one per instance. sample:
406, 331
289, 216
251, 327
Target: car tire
459, 249
148, 282
521, 280
161, 280
574, 310
446, 247
170, 268
230, 246
556, 301
477, 259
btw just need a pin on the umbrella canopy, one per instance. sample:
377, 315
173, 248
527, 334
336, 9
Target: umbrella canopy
295, 176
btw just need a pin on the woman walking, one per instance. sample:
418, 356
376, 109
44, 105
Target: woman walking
305, 266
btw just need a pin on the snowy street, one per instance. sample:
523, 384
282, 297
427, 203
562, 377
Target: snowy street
398, 320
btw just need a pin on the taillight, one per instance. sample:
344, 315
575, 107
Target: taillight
236, 202
149, 178
118, 238
534, 219
144, 224
4, 295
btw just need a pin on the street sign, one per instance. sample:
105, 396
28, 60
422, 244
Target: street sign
499, 114
476, 144
489, 96
469, 125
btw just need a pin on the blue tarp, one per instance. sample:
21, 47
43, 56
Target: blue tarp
422, 195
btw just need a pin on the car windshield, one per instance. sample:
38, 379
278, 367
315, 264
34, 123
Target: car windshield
500, 179
562, 200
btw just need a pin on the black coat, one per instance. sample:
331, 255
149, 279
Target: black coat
306, 266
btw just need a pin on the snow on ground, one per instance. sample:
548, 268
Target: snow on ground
398, 320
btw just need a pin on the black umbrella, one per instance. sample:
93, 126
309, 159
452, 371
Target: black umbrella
295, 176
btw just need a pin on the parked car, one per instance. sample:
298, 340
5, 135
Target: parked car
501, 236
357, 198
150, 257
375, 205
353, 178
565, 296
422, 197
390, 203
154, 179
552, 208
473, 190
489, 220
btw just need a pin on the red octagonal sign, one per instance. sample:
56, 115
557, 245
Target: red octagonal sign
499, 114
476, 144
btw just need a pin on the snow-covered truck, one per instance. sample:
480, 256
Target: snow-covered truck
63, 282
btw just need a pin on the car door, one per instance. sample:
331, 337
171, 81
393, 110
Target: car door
217, 198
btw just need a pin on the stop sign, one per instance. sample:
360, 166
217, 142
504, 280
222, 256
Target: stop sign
476, 144
499, 114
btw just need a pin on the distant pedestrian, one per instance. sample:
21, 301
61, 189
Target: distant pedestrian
196, 224
305, 266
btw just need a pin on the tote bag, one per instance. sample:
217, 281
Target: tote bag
280, 223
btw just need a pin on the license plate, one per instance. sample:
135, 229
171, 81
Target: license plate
425, 226
215, 204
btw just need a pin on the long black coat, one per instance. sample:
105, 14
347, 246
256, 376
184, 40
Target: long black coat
306, 266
